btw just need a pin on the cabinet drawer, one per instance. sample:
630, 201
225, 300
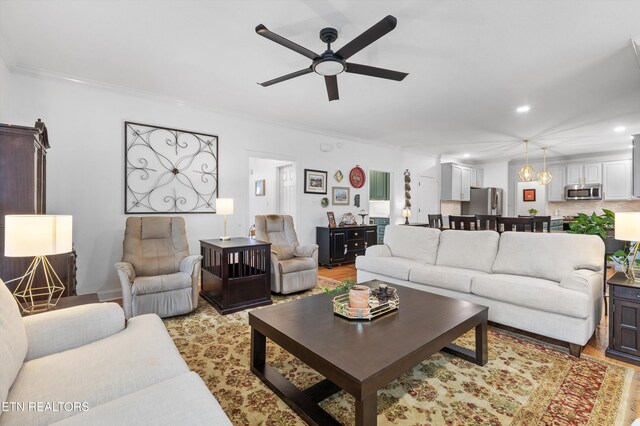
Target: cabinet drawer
355, 234
355, 245
626, 293
351, 255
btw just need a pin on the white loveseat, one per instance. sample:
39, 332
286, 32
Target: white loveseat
81, 366
548, 284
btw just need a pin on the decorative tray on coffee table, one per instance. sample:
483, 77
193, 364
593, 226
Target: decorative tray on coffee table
378, 305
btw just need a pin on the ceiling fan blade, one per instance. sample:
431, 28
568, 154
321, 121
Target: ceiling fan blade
332, 87
375, 72
264, 32
286, 77
366, 38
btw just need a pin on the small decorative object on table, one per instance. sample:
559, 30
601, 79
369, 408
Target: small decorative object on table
361, 302
332, 219
533, 212
348, 219
363, 213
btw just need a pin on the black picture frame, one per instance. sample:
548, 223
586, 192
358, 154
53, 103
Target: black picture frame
529, 195
315, 181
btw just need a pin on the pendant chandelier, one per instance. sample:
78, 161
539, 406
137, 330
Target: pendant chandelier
544, 177
527, 173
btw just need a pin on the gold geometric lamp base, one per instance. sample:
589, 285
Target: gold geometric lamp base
29, 297
38, 236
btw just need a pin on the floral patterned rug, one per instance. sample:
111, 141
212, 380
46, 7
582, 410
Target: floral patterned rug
524, 383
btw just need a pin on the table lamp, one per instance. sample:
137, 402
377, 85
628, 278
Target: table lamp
224, 206
627, 228
406, 213
38, 236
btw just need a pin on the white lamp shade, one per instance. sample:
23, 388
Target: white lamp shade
406, 213
224, 205
37, 235
627, 226
379, 208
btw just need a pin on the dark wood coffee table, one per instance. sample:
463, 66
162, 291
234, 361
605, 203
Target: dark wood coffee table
360, 357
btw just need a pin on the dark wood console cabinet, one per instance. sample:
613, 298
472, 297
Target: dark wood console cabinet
624, 319
343, 244
23, 177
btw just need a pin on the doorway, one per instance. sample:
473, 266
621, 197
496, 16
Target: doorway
428, 202
272, 187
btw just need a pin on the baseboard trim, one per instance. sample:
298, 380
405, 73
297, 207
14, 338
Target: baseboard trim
109, 295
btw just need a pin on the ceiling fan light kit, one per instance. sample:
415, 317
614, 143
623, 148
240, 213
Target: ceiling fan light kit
330, 63
527, 173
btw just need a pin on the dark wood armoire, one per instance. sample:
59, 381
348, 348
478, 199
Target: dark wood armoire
23, 185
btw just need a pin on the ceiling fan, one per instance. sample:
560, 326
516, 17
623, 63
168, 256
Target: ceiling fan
330, 64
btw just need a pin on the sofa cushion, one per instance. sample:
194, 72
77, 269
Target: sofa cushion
395, 267
182, 400
456, 279
535, 293
296, 264
413, 242
13, 341
470, 250
161, 283
547, 256
141, 355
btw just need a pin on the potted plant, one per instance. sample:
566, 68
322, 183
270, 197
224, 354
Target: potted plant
533, 212
358, 296
601, 225
622, 260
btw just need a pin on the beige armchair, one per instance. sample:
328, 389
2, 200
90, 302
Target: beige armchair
294, 267
157, 273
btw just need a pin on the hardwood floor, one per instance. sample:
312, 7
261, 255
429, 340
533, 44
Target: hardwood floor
595, 347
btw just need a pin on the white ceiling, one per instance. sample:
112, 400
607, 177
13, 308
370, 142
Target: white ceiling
470, 65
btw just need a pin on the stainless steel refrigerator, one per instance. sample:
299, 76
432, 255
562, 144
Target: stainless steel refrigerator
484, 201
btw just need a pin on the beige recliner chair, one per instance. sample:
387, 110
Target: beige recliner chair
294, 267
157, 273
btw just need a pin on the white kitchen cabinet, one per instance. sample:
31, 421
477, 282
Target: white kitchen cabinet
465, 186
616, 183
555, 190
455, 182
579, 174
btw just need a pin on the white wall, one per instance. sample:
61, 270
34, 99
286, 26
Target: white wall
4, 87
496, 175
86, 171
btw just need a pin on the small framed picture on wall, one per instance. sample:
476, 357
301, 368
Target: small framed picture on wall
260, 187
340, 196
528, 194
315, 182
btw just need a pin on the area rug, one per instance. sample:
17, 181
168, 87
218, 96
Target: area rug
525, 382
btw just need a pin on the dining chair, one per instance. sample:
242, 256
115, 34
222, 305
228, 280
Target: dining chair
464, 223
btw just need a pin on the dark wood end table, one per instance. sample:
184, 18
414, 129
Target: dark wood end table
360, 357
624, 319
236, 274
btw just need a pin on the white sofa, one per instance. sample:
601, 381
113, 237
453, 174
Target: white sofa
548, 284
81, 366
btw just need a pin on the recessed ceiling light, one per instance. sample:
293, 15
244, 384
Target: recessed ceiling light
466, 155
523, 108
619, 129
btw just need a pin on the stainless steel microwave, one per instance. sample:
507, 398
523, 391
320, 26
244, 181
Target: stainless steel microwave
589, 191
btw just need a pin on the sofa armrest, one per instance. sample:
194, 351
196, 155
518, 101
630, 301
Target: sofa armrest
57, 331
379, 250
305, 250
583, 280
127, 269
189, 263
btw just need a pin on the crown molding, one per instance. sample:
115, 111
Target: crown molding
6, 54
145, 94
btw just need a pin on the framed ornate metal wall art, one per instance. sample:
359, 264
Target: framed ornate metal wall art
169, 170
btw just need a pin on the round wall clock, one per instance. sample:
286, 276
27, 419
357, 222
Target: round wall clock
357, 177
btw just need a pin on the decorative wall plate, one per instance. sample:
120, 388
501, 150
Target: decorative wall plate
324, 202
357, 177
338, 175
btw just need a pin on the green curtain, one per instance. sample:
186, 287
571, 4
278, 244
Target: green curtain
379, 185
